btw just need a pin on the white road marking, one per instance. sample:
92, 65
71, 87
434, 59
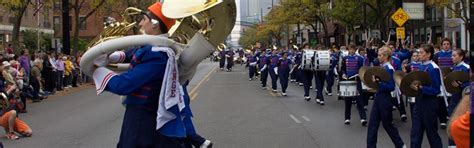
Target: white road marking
294, 119
306, 118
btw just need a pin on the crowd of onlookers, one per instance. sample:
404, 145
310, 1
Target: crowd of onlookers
32, 75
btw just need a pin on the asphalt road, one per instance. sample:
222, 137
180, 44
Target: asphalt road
229, 110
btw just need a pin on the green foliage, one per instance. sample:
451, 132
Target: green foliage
250, 36
81, 45
348, 14
30, 40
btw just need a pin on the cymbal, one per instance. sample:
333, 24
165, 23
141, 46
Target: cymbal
378, 72
362, 71
445, 71
416, 76
455, 76
398, 76
183, 8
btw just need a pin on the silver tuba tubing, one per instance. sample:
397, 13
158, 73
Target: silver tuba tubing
109, 46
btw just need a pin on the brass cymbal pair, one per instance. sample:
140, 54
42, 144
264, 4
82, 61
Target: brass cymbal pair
456, 76
366, 74
405, 81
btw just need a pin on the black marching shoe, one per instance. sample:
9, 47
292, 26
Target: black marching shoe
307, 98
364, 122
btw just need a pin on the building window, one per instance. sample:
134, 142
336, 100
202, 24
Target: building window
56, 23
57, 5
46, 24
83, 25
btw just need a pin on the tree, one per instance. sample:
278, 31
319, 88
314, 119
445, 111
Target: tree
348, 14
18, 8
250, 36
88, 7
274, 24
30, 38
380, 10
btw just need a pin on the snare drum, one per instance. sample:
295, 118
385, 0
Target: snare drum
322, 60
348, 89
307, 62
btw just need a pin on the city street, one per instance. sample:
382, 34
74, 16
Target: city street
229, 110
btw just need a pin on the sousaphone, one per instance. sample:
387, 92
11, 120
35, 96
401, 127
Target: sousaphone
200, 27
456, 76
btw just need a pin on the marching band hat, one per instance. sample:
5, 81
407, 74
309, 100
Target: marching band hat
155, 9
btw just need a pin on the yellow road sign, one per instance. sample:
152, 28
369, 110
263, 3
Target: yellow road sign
401, 33
400, 17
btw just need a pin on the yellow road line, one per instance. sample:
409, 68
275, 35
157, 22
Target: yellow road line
191, 93
194, 96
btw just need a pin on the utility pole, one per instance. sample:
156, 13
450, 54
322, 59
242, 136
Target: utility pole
66, 35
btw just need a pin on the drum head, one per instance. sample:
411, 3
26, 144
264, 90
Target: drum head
455, 76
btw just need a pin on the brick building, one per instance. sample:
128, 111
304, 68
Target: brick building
29, 22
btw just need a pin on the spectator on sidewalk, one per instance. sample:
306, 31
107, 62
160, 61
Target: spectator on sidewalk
24, 60
60, 72
10, 121
36, 79
68, 68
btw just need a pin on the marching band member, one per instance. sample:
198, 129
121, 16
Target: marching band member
274, 58
444, 60
252, 64
364, 94
257, 50
426, 105
349, 69
148, 122
332, 70
397, 98
230, 59
222, 59
297, 71
319, 78
284, 67
382, 107
241, 56
459, 65
307, 76
263, 62
412, 66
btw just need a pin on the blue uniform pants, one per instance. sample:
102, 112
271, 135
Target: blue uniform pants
307, 80
319, 77
138, 130
359, 103
425, 119
382, 112
263, 77
299, 75
222, 63
400, 106
274, 77
293, 74
442, 110
330, 80
283, 74
252, 71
